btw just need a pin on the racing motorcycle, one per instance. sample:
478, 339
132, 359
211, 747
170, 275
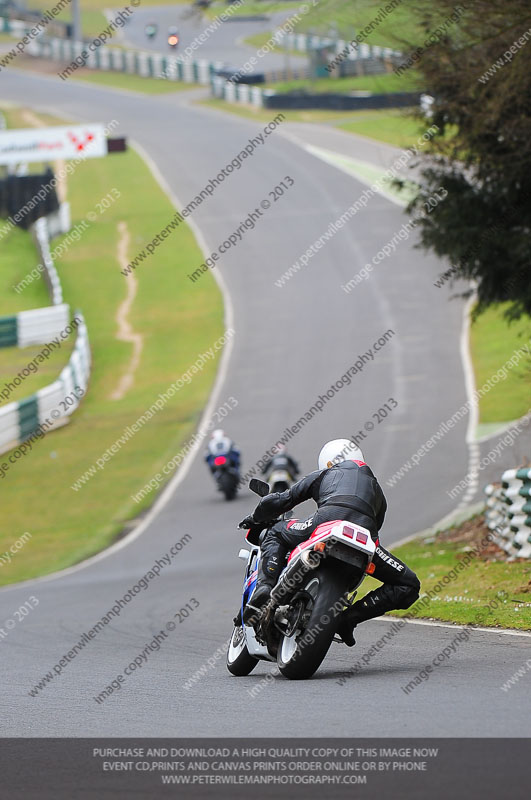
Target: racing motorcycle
279, 476
151, 30
226, 476
298, 624
173, 37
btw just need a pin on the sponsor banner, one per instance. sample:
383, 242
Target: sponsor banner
48, 144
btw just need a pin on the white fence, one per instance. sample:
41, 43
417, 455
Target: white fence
41, 325
305, 43
238, 92
51, 406
72, 382
132, 62
42, 241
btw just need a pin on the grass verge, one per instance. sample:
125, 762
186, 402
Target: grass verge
488, 579
335, 17
93, 19
392, 126
258, 40
250, 8
386, 83
19, 256
493, 341
13, 360
177, 324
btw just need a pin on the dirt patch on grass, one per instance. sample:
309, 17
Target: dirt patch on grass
473, 533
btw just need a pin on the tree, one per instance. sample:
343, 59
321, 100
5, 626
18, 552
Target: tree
478, 70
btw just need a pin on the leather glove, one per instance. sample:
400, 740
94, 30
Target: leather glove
248, 522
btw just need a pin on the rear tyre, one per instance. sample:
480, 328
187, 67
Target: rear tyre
239, 661
301, 654
229, 485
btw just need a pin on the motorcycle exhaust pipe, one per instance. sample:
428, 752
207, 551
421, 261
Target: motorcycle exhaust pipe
308, 561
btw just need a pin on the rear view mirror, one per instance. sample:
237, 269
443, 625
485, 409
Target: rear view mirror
259, 487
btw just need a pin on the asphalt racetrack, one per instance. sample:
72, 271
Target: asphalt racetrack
291, 345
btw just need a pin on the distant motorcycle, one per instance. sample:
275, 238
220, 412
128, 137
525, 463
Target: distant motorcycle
223, 459
173, 37
297, 625
280, 472
226, 476
151, 30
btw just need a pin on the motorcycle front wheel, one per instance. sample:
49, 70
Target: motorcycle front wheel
239, 660
317, 610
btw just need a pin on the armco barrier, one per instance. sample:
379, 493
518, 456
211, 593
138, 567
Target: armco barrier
42, 242
237, 92
49, 407
290, 74
267, 98
271, 76
132, 62
509, 512
341, 102
38, 326
306, 42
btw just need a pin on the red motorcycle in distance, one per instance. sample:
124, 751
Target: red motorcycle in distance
173, 37
226, 476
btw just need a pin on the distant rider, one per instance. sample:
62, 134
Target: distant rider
344, 488
221, 445
281, 460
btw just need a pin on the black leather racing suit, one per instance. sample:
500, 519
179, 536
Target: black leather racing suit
348, 491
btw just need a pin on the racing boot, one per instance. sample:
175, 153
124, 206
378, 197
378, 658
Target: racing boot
258, 599
374, 604
347, 622
268, 571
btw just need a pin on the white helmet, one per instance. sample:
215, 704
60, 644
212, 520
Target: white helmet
339, 450
219, 443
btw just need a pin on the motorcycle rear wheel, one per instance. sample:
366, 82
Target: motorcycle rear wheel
302, 653
239, 660
228, 485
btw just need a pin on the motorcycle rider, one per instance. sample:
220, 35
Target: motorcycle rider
221, 445
281, 460
344, 488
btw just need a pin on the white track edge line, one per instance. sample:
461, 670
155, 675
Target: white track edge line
411, 621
